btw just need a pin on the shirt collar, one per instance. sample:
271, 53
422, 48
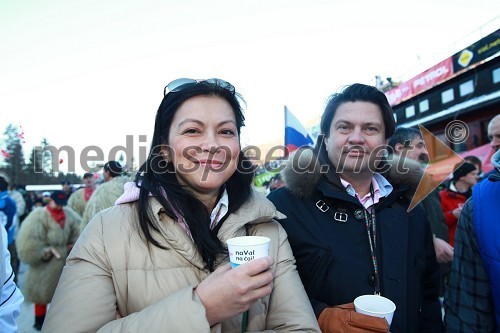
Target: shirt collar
381, 188
220, 209
384, 185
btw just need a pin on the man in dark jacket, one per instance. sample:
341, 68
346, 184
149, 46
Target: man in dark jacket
348, 224
409, 143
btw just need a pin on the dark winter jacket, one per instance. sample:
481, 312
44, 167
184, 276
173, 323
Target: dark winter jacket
333, 257
435, 216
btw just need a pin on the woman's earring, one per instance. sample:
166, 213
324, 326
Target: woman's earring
165, 155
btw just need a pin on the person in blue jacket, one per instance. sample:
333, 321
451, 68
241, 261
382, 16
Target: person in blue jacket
472, 303
8, 209
11, 297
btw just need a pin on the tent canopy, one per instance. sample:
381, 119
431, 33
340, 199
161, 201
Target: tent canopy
444, 168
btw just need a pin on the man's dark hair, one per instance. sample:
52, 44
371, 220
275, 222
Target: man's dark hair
401, 135
358, 92
88, 175
114, 168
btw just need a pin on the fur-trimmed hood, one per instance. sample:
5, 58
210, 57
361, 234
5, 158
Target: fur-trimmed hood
305, 167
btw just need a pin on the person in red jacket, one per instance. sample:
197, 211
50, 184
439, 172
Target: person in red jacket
456, 194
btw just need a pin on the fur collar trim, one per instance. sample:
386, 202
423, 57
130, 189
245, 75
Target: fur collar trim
304, 169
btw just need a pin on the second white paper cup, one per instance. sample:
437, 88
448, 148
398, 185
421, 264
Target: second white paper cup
246, 248
376, 306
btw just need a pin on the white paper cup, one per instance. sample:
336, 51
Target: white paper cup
246, 248
376, 306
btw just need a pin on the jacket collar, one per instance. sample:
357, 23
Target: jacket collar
306, 171
258, 209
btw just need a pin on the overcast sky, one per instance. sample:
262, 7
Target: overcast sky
89, 73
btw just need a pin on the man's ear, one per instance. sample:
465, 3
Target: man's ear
325, 142
398, 148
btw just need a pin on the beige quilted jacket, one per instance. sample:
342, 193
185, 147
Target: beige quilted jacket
110, 270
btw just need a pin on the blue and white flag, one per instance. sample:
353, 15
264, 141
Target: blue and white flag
296, 134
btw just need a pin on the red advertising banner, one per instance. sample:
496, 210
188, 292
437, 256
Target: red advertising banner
421, 82
465, 59
432, 76
399, 94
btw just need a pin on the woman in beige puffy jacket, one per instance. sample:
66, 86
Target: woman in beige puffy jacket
157, 261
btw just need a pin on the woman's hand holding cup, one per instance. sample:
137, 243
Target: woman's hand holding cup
228, 292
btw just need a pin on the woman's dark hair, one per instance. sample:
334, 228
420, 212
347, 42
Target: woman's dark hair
157, 177
358, 92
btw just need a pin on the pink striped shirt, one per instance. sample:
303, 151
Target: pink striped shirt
378, 192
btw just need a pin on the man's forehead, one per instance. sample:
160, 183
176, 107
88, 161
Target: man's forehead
359, 106
356, 121
366, 117
494, 129
418, 140
413, 143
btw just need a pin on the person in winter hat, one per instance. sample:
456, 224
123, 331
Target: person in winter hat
456, 194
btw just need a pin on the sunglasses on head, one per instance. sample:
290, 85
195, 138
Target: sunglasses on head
179, 84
